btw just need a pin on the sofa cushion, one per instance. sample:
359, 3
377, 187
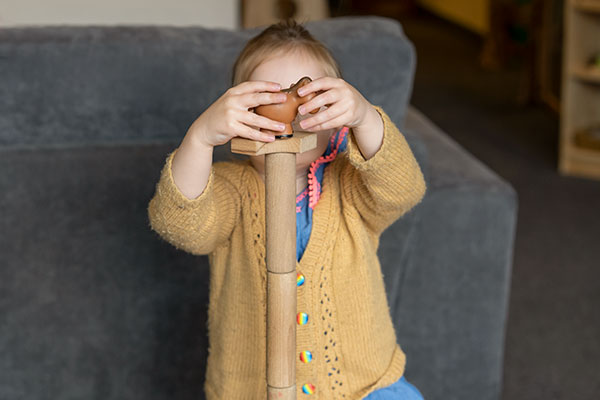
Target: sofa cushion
94, 303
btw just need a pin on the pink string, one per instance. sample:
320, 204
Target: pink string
299, 199
314, 187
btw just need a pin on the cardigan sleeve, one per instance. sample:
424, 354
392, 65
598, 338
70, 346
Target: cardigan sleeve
387, 185
198, 225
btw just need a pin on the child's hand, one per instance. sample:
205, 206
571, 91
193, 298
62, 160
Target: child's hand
229, 116
345, 105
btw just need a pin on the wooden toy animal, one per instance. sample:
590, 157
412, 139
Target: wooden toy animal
286, 112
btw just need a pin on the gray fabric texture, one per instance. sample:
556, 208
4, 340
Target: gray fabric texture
95, 305
73, 85
452, 287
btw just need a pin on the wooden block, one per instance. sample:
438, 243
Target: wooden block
281, 329
288, 393
299, 143
280, 211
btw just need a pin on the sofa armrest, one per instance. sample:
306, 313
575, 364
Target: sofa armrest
447, 267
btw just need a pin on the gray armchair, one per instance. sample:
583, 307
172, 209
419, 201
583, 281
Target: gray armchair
94, 305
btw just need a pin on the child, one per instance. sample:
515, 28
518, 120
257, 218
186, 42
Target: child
361, 178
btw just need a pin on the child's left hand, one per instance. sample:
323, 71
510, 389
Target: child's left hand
345, 105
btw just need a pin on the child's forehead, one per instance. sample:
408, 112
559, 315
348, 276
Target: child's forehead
287, 67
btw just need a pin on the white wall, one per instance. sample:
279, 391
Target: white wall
208, 13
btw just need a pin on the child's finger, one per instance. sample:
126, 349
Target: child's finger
251, 100
336, 122
259, 121
324, 83
253, 134
324, 99
326, 115
255, 86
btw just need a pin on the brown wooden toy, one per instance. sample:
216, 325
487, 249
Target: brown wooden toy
286, 112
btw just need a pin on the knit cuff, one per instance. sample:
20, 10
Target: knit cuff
170, 191
382, 156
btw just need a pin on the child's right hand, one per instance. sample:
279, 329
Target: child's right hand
229, 116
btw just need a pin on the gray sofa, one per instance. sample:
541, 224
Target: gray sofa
94, 305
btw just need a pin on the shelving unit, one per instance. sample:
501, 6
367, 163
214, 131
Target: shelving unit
579, 154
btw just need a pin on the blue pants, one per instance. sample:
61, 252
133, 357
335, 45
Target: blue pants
399, 390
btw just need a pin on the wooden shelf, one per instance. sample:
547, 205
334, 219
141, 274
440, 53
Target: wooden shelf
588, 138
581, 162
592, 6
580, 103
587, 74
585, 155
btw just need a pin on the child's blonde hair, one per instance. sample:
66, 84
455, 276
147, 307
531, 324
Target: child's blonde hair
284, 37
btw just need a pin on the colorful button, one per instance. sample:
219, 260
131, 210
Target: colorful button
302, 318
308, 388
306, 357
299, 279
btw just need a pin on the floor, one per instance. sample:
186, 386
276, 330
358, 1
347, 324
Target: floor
553, 336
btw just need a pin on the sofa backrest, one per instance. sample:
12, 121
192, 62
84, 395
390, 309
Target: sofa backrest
69, 85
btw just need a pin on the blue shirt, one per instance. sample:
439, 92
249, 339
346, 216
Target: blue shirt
308, 199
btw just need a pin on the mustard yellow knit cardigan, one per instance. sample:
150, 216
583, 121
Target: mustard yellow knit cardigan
349, 331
